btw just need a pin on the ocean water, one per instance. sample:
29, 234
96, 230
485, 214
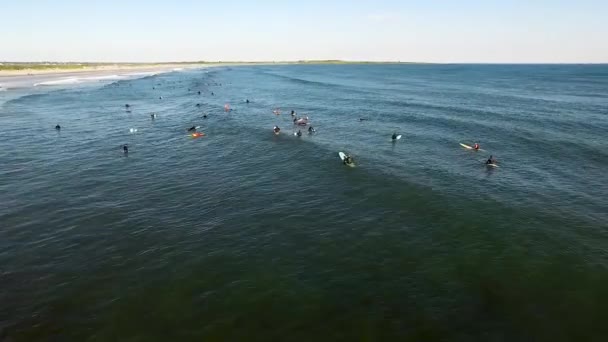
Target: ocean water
242, 235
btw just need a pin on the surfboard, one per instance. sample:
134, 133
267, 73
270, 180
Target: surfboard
466, 146
398, 137
491, 165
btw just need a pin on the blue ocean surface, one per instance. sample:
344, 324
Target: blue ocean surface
244, 235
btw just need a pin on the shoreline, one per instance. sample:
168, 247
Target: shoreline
28, 78
96, 68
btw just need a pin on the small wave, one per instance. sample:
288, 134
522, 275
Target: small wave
71, 80
102, 78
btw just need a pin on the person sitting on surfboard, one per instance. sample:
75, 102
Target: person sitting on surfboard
394, 137
476, 146
490, 161
348, 160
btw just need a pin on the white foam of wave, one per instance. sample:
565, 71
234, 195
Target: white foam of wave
178, 69
102, 78
147, 73
71, 80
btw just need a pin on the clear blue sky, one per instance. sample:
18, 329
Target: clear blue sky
428, 31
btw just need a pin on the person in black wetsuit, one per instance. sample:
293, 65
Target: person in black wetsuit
394, 137
57, 127
192, 129
247, 101
299, 134
348, 160
490, 160
199, 92
125, 148
311, 130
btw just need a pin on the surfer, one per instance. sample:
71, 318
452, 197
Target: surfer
153, 116
394, 137
299, 134
160, 97
212, 94
127, 105
293, 113
57, 127
198, 104
205, 116
276, 129
311, 130
199, 92
192, 129
490, 161
125, 149
476, 146
348, 160
247, 101
362, 119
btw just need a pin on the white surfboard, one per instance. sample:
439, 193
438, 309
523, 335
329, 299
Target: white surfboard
397, 138
491, 165
466, 146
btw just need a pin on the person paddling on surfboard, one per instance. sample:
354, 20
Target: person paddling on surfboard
476, 146
192, 129
490, 161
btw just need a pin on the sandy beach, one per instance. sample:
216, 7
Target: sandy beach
10, 79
